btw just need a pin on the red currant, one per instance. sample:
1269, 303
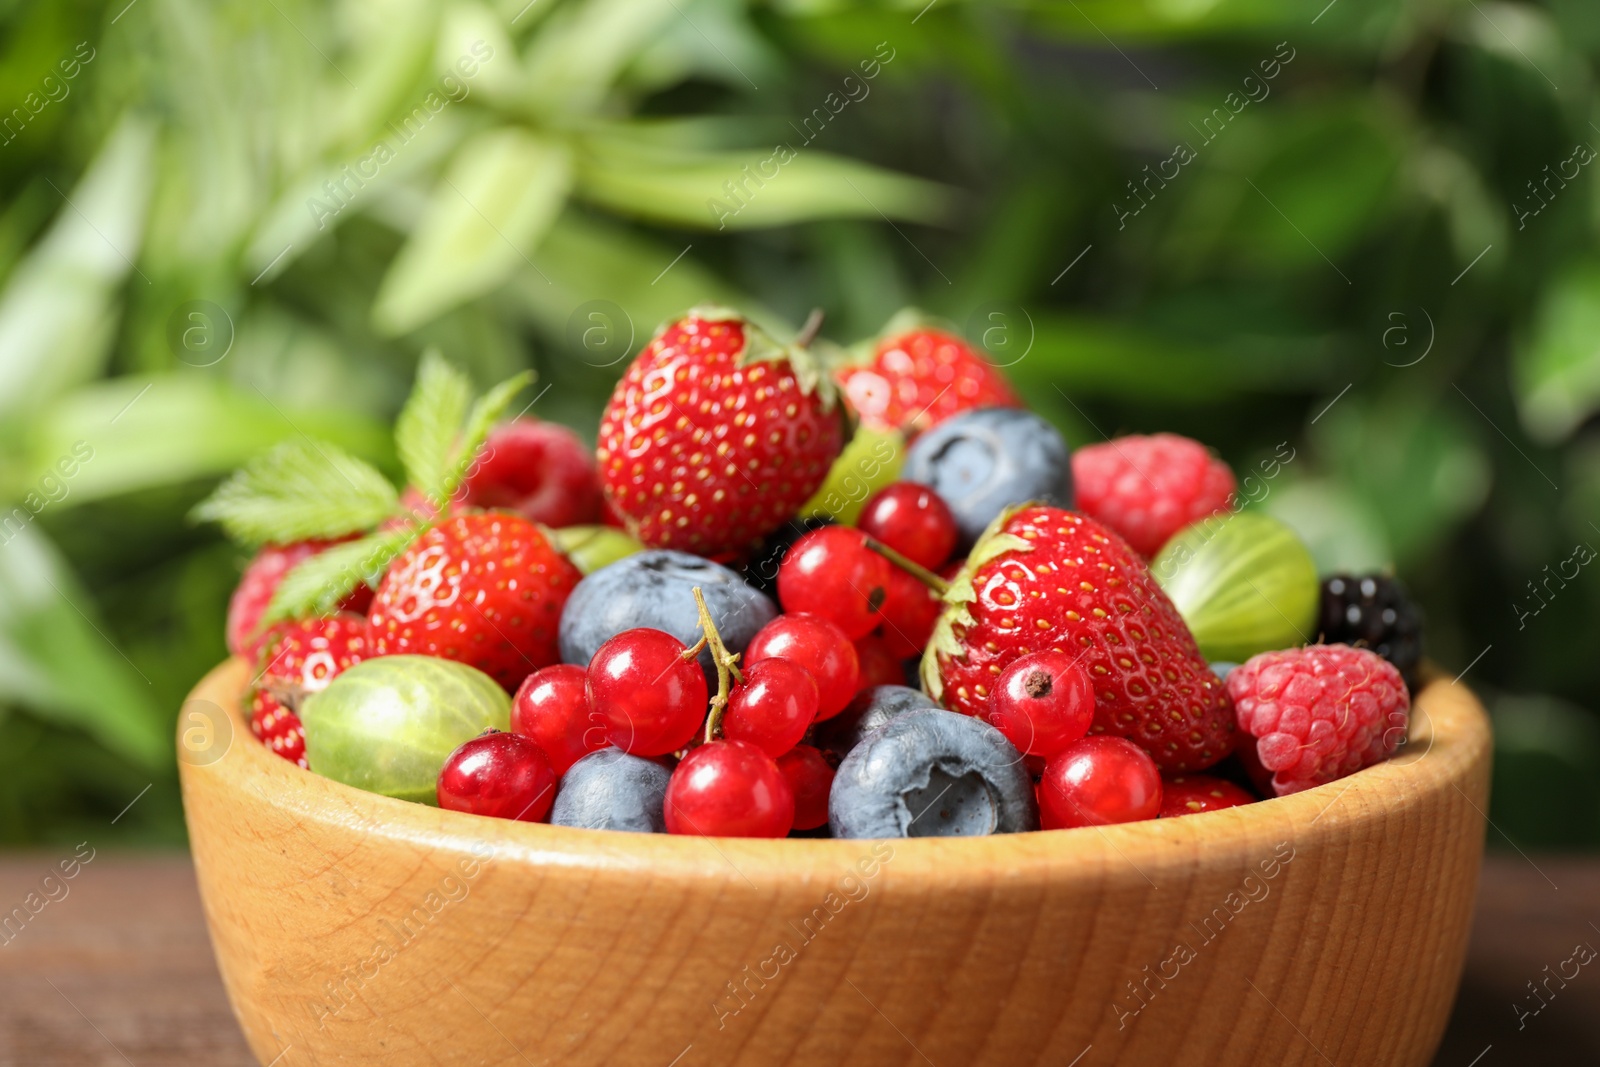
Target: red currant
831, 572
729, 789
910, 611
1043, 702
1187, 794
1097, 781
773, 707
810, 778
821, 648
649, 697
913, 520
504, 776
552, 708
879, 665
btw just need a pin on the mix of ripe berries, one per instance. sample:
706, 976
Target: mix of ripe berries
694, 648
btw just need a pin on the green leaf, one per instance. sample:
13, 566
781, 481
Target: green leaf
428, 424
1556, 370
298, 490
754, 188
148, 432
57, 660
488, 213
57, 314
485, 413
317, 585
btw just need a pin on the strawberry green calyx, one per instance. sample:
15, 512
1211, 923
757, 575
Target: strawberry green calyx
304, 489
994, 542
811, 358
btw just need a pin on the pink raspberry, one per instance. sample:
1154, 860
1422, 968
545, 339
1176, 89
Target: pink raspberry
1319, 713
1149, 488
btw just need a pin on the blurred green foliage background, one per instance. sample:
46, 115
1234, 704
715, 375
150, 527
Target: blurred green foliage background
1376, 242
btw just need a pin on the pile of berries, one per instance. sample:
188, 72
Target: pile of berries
798, 591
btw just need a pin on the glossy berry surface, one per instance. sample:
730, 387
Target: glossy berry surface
1189, 794
982, 462
760, 568
773, 707
650, 699
910, 610
1043, 702
655, 590
810, 778
1054, 579
832, 573
540, 470
914, 521
1149, 488
501, 775
1373, 611
729, 789
918, 378
878, 664
1099, 781
1316, 714
304, 657
821, 648
483, 589
551, 708
711, 441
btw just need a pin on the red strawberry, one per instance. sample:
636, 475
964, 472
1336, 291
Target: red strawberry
1188, 794
485, 589
918, 378
1044, 578
303, 657
254, 592
716, 435
1316, 714
1149, 488
540, 470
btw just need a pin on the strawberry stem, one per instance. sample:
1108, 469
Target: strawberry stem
808, 331
727, 666
916, 570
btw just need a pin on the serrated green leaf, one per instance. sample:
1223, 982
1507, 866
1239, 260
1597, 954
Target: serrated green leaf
317, 585
428, 424
485, 413
300, 489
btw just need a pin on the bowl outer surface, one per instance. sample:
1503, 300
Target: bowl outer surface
1325, 927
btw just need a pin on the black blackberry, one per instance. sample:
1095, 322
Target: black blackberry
1373, 611
761, 569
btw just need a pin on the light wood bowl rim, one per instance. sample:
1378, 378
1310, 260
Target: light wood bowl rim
1450, 737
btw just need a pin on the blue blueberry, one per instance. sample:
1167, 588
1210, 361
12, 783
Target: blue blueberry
870, 709
611, 790
932, 773
983, 461
656, 589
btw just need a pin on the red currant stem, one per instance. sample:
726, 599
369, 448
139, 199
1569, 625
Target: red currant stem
916, 570
810, 329
727, 666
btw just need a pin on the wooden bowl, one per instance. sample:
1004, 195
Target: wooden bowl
1327, 927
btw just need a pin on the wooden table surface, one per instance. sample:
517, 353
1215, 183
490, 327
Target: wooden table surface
118, 971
